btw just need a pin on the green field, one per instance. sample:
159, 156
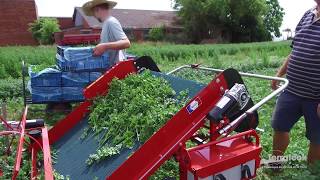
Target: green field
260, 58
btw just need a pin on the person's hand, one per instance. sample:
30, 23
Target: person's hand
99, 50
274, 84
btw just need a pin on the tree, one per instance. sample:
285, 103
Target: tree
157, 33
289, 33
232, 20
274, 17
42, 30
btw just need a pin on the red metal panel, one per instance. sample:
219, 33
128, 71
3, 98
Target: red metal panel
214, 157
164, 143
48, 171
20, 145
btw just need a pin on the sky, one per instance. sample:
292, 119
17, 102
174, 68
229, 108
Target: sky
294, 9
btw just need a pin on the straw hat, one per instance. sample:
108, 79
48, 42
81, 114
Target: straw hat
88, 7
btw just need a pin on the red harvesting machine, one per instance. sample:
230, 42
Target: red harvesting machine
224, 107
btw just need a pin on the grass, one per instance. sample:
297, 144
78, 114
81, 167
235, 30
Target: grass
166, 55
261, 58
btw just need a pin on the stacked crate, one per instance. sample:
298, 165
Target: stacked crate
75, 69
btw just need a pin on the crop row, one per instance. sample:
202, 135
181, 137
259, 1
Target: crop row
11, 57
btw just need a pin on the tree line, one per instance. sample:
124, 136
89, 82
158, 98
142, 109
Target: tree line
230, 20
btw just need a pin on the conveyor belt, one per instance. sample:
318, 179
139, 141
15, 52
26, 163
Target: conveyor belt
73, 152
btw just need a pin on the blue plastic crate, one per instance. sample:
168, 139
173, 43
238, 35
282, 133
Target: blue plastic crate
75, 79
84, 65
49, 77
77, 53
94, 76
46, 94
73, 94
61, 49
62, 63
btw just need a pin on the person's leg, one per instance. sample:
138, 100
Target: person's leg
287, 112
312, 119
280, 142
314, 153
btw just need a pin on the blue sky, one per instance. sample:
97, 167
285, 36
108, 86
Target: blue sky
64, 8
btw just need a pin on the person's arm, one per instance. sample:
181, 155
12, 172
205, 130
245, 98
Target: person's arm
281, 72
121, 41
117, 45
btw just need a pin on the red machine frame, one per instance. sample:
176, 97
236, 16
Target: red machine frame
205, 160
170, 139
172, 143
34, 148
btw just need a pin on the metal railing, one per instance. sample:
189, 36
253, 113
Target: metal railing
230, 127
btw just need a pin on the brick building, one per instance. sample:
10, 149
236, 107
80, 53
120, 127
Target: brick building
136, 23
15, 15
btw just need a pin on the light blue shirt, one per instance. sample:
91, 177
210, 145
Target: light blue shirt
112, 31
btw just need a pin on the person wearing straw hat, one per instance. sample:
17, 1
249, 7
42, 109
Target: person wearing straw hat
113, 39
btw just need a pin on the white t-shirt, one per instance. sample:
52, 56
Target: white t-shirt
112, 31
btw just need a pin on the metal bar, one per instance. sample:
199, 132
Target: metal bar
230, 127
24, 84
220, 70
48, 171
20, 145
4, 121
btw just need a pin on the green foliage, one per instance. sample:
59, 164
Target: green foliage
43, 29
304, 171
11, 58
58, 176
10, 88
2, 72
135, 108
164, 54
169, 169
103, 153
230, 20
157, 34
245, 57
7, 160
274, 17
39, 68
7, 165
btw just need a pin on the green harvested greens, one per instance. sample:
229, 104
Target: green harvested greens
132, 111
41, 67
